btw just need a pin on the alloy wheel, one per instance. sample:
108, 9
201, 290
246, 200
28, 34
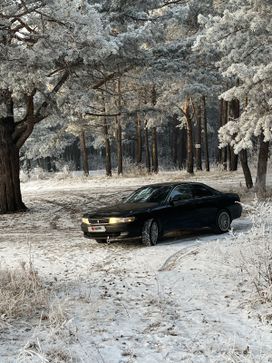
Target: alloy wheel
224, 221
154, 233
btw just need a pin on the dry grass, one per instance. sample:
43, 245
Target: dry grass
258, 266
133, 170
52, 341
22, 294
53, 352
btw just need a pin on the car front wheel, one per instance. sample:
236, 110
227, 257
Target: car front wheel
223, 222
150, 233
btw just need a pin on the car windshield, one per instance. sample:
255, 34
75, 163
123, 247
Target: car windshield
156, 194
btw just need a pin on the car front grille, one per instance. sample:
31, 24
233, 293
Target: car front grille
99, 220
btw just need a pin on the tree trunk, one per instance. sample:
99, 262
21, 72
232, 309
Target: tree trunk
119, 148
205, 134
175, 146
234, 109
155, 163
108, 166
233, 160
224, 120
198, 151
246, 170
147, 150
235, 114
244, 161
182, 147
138, 140
190, 156
107, 148
220, 124
175, 135
10, 192
84, 153
262, 166
12, 138
119, 130
28, 167
72, 153
50, 164
218, 151
190, 150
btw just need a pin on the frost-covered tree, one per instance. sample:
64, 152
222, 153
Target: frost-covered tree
243, 35
184, 75
79, 99
46, 47
151, 39
43, 43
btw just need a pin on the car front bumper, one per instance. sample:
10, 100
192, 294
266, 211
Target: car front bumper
113, 232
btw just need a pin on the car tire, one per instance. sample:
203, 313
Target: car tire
150, 232
223, 222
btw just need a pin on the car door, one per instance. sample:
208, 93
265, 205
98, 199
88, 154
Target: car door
206, 203
180, 213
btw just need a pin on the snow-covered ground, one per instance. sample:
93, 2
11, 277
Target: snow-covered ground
184, 300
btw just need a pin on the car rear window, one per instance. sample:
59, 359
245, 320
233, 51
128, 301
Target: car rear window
200, 191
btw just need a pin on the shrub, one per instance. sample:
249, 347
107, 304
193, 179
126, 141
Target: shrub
257, 251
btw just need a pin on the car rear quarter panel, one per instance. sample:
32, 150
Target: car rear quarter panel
235, 210
233, 205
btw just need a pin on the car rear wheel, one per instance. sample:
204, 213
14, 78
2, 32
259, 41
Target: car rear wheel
150, 233
223, 222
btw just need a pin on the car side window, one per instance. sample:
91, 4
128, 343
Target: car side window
181, 193
200, 191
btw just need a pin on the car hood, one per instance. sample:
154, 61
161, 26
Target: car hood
123, 209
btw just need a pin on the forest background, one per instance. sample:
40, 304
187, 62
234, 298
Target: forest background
176, 83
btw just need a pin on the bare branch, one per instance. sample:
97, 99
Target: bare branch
40, 114
173, 2
53, 20
22, 133
103, 114
180, 109
111, 77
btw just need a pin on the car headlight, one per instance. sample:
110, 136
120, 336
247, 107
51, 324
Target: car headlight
85, 220
115, 220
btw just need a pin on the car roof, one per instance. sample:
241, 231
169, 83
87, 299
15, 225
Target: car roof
174, 184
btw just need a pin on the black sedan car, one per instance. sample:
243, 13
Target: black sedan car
153, 210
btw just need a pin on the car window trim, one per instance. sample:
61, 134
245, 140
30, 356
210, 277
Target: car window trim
180, 185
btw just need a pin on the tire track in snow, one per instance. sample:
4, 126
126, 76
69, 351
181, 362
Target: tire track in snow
173, 260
